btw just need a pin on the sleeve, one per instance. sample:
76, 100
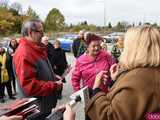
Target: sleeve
76, 77
26, 74
126, 102
65, 60
74, 48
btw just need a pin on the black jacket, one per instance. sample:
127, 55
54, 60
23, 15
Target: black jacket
59, 61
78, 48
50, 50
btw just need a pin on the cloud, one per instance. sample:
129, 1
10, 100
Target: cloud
93, 11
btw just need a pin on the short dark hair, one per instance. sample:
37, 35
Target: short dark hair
29, 24
92, 37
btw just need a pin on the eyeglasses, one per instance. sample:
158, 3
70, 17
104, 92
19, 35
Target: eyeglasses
39, 31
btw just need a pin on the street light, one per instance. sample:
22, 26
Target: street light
104, 10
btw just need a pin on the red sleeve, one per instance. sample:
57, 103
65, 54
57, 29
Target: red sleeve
26, 73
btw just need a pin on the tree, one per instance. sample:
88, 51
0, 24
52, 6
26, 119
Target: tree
133, 24
84, 23
147, 23
155, 25
31, 13
55, 21
16, 8
4, 3
109, 25
122, 26
6, 21
140, 23
119, 26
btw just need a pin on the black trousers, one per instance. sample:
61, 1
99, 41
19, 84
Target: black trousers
13, 79
38, 116
2, 89
14, 83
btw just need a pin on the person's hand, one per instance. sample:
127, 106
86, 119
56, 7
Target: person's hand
60, 108
68, 113
59, 85
69, 68
2, 67
114, 71
12, 54
55, 67
58, 78
14, 117
100, 78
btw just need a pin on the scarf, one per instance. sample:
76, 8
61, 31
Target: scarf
4, 72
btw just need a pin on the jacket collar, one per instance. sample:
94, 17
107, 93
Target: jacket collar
91, 58
39, 47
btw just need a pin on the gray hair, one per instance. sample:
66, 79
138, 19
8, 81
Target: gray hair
29, 24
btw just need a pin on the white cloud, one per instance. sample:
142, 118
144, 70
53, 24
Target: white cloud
91, 10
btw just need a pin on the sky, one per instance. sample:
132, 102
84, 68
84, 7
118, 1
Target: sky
95, 11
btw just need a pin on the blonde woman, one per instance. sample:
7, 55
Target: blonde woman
136, 91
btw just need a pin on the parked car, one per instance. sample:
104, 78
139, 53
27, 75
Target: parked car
66, 41
112, 37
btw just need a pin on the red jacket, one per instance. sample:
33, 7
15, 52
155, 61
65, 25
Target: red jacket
27, 56
34, 72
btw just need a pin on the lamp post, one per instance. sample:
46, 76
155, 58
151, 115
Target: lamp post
104, 11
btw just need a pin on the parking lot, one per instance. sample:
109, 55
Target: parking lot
67, 90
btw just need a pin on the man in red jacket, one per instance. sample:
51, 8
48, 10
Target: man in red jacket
33, 70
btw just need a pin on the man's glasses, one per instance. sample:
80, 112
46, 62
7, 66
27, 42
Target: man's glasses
39, 31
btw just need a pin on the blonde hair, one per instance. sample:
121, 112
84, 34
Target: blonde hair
120, 42
141, 48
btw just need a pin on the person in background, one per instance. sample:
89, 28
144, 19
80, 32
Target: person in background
104, 46
117, 49
78, 45
136, 90
90, 64
11, 48
33, 69
5, 80
60, 63
49, 48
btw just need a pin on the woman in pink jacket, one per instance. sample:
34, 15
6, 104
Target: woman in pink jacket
91, 63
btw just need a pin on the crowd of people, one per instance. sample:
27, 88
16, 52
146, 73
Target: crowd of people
7, 75
123, 84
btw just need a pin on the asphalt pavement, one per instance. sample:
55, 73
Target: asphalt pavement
67, 91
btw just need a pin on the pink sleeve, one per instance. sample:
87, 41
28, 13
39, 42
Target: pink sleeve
76, 77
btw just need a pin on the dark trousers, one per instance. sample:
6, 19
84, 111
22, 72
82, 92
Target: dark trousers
13, 79
2, 89
14, 83
38, 116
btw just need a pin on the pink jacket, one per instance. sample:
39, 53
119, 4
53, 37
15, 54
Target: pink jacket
87, 68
